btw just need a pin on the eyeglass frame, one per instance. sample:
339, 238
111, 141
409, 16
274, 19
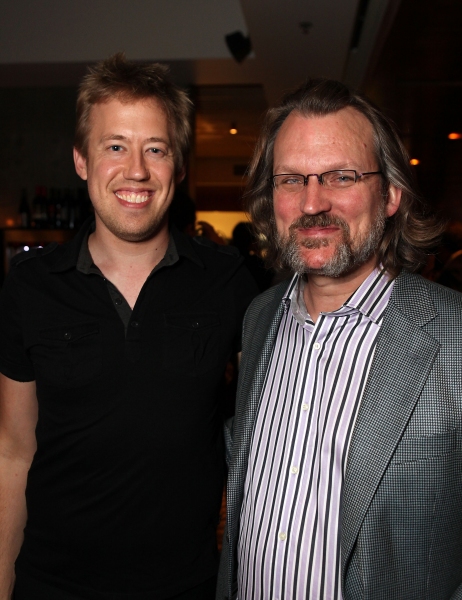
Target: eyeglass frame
320, 177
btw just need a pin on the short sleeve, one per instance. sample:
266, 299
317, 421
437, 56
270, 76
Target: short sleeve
14, 360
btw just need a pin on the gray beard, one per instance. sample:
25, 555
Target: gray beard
348, 254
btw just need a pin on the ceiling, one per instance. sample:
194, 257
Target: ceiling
219, 107
50, 42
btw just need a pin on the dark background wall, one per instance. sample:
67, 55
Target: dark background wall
37, 126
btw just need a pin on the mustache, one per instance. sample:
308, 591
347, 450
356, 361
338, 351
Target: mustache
321, 220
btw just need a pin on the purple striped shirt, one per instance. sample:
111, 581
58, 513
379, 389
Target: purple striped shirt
289, 543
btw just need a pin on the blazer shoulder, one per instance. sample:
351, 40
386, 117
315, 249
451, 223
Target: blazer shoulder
262, 308
273, 295
423, 300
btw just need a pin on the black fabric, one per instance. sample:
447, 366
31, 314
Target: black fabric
28, 589
124, 491
86, 265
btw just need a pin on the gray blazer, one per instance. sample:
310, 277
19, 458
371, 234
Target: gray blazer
401, 521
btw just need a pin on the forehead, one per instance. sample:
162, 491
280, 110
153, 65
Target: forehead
345, 137
133, 114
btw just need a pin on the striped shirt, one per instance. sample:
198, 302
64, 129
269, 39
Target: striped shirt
289, 543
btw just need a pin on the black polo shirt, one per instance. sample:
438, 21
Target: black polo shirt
124, 491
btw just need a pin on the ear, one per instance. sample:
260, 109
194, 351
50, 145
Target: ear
180, 175
80, 164
393, 200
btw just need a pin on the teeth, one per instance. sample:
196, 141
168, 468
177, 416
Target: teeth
132, 197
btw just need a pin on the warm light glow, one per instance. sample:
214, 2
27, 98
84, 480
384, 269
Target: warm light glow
414, 161
233, 131
10, 223
222, 221
455, 136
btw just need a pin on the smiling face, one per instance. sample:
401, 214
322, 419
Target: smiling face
129, 168
323, 231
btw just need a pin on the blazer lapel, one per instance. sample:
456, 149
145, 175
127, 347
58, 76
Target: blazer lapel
402, 361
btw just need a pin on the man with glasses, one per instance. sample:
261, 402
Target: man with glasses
345, 479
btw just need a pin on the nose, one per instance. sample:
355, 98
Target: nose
136, 168
313, 198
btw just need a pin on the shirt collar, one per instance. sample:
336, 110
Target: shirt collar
370, 298
372, 294
77, 255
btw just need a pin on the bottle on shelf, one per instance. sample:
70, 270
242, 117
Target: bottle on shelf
64, 209
51, 209
24, 210
70, 209
59, 220
39, 208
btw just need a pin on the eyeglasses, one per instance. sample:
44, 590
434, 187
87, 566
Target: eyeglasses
293, 183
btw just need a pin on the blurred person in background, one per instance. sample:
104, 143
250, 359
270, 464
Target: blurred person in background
244, 240
450, 257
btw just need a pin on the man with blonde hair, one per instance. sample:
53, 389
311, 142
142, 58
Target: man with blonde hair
112, 358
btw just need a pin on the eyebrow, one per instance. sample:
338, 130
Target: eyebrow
285, 170
114, 136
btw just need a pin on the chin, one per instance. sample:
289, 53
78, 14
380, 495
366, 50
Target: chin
135, 231
139, 235
314, 263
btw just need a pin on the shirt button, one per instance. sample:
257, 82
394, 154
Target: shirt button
283, 536
294, 470
316, 345
304, 406
118, 301
135, 324
67, 335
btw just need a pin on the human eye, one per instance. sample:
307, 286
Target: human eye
339, 178
289, 181
157, 150
115, 148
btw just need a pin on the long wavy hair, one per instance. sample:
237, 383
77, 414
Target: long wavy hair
409, 234
127, 81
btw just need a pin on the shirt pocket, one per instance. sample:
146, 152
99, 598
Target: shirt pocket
192, 343
68, 354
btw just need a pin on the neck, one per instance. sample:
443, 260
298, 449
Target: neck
326, 294
112, 254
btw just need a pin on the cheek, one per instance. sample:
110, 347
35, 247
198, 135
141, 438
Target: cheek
360, 212
285, 213
101, 172
166, 173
